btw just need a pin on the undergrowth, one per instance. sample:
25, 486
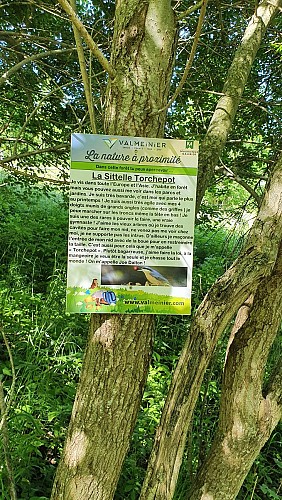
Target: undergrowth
47, 348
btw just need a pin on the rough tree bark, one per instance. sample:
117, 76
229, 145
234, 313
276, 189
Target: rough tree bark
247, 417
117, 357
108, 397
143, 53
222, 302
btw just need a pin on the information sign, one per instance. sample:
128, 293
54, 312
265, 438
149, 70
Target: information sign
131, 224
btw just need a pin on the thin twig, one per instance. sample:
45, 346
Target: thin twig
34, 177
254, 487
190, 10
12, 389
29, 59
244, 184
85, 79
37, 107
88, 38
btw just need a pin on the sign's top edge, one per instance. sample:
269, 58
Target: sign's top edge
139, 141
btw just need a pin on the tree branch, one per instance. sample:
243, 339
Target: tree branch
61, 148
190, 10
189, 61
85, 79
224, 114
246, 418
10, 36
29, 59
34, 177
88, 39
232, 175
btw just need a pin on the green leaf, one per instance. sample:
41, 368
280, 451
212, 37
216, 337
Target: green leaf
269, 493
7, 371
52, 415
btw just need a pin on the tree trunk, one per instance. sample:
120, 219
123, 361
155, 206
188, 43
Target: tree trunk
117, 357
247, 418
255, 262
143, 53
107, 400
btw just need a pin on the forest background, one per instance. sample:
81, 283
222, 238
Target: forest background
42, 102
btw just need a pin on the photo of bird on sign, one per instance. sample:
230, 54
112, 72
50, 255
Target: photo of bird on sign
143, 275
153, 277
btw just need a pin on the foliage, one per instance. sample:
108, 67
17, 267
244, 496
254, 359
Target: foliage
46, 343
26, 213
48, 104
47, 349
255, 139
47, 346
49, 89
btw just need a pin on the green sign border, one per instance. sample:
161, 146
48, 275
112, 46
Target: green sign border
137, 169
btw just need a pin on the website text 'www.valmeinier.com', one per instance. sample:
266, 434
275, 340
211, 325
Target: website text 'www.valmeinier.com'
154, 302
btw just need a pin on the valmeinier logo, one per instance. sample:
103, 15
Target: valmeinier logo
110, 141
135, 143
